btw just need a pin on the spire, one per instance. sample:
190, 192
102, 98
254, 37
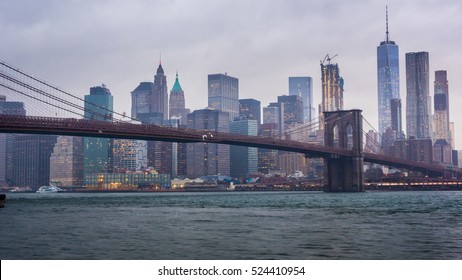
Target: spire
387, 21
176, 86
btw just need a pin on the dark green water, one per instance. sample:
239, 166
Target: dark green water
272, 225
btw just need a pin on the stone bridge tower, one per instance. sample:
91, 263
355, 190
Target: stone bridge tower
343, 129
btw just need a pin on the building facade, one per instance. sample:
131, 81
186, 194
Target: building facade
66, 162
441, 121
418, 110
250, 109
244, 160
98, 151
142, 99
303, 87
206, 158
293, 109
332, 88
7, 141
223, 94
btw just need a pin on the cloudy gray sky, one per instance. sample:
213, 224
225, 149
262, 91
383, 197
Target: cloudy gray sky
79, 44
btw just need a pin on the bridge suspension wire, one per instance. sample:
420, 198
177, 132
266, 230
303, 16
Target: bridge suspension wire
381, 137
54, 88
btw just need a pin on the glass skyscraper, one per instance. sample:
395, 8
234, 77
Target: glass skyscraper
98, 151
387, 80
244, 160
418, 108
223, 94
441, 106
303, 87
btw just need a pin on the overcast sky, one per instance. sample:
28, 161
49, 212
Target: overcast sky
79, 44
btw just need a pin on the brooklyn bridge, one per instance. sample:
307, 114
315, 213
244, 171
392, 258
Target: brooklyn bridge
343, 132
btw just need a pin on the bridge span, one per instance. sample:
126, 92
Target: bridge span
124, 130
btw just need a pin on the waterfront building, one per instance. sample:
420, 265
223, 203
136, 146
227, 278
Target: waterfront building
177, 103
140, 180
293, 109
223, 94
31, 167
418, 121
303, 87
206, 158
7, 140
130, 155
142, 99
244, 160
387, 82
66, 162
160, 93
98, 151
250, 109
441, 121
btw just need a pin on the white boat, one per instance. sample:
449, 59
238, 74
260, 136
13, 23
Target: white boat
48, 189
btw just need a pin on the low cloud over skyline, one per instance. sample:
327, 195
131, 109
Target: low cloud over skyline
80, 44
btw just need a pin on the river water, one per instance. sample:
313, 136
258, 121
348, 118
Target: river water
232, 225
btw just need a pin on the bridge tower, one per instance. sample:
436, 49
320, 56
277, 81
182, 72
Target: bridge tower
343, 129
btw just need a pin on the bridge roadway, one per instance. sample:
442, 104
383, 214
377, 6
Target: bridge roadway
123, 130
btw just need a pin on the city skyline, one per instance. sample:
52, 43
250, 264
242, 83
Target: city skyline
77, 46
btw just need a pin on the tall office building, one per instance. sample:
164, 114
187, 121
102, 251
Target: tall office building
441, 105
177, 103
244, 160
418, 121
7, 140
387, 81
293, 109
98, 151
32, 160
160, 93
206, 158
250, 109
223, 94
396, 121
268, 159
142, 99
303, 87
66, 162
130, 155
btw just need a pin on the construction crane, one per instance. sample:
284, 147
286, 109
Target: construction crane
328, 58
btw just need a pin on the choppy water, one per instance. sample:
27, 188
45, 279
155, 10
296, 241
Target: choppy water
273, 225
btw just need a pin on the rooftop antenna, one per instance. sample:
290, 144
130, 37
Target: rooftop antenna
387, 21
160, 58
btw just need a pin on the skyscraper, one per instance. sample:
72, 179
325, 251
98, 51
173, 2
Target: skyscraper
32, 160
293, 109
7, 140
142, 99
387, 80
244, 160
160, 93
332, 89
396, 117
418, 122
177, 103
250, 109
441, 106
223, 94
303, 87
66, 162
206, 158
98, 151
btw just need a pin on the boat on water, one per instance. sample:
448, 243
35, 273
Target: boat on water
49, 189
